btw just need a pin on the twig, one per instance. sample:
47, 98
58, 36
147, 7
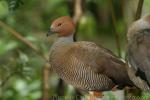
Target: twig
7, 78
139, 9
114, 28
77, 11
122, 4
45, 85
21, 38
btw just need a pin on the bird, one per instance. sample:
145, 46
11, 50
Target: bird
83, 64
138, 52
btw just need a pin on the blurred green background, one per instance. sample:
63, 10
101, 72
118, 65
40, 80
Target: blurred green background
23, 59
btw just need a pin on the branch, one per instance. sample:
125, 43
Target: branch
77, 11
21, 38
139, 9
45, 85
114, 28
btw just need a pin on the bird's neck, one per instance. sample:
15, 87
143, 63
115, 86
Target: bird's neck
64, 40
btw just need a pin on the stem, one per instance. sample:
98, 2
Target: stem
77, 13
139, 9
45, 85
114, 28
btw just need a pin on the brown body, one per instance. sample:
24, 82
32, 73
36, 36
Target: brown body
87, 66
84, 64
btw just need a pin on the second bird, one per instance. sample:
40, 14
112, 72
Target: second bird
138, 52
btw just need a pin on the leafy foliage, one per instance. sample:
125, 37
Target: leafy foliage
14, 4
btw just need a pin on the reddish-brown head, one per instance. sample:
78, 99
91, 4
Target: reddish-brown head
63, 26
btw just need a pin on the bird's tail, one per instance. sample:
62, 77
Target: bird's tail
137, 80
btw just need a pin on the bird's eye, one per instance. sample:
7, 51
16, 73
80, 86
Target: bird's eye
59, 24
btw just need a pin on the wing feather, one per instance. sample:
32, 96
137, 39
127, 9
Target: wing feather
101, 61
